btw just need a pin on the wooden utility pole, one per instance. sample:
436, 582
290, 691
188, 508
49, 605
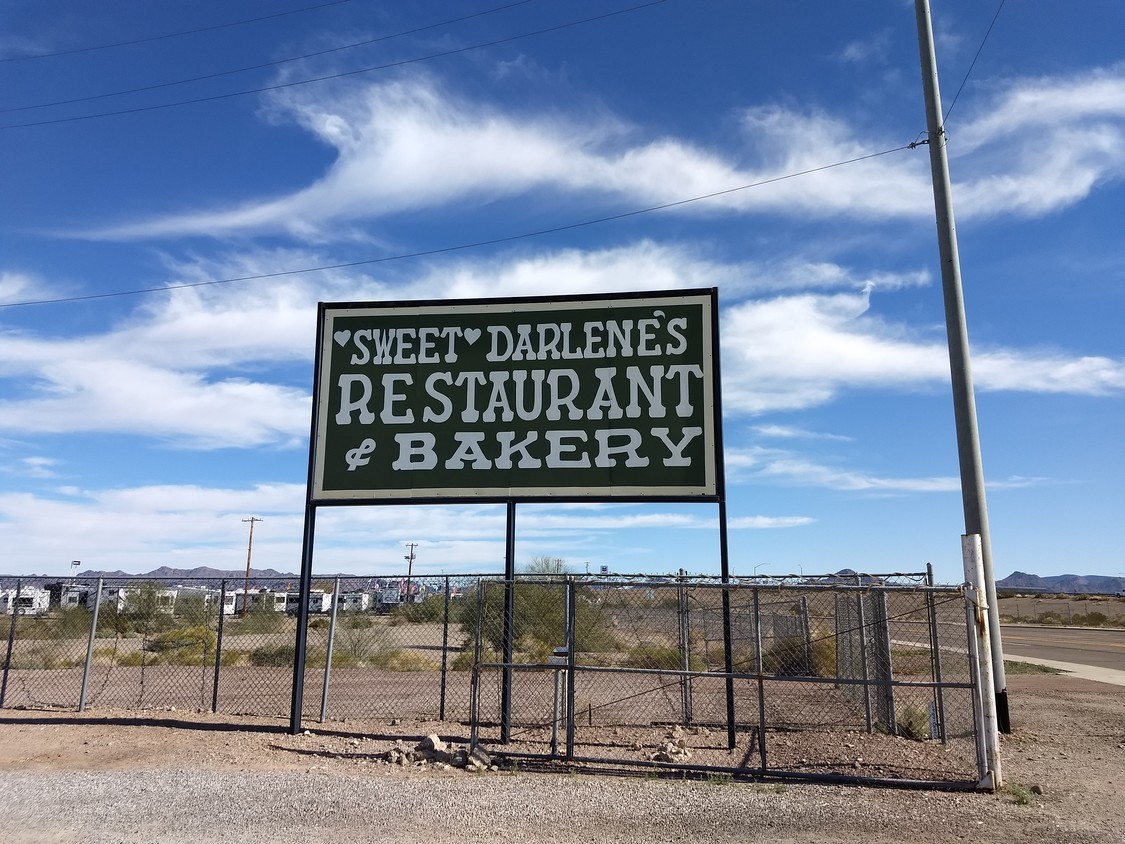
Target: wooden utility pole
249, 551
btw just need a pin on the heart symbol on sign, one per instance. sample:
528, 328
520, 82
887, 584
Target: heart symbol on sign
342, 337
472, 335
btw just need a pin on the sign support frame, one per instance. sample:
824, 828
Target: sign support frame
713, 452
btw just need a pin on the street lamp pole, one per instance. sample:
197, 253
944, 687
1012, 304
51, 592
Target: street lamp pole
249, 550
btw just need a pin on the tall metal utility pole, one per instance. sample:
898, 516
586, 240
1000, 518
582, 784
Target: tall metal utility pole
409, 567
964, 403
249, 549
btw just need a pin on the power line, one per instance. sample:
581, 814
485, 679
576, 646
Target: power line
972, 64
340, 75
461, 246
166, 35
264, 65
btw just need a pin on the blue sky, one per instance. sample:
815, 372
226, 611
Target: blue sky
140, 429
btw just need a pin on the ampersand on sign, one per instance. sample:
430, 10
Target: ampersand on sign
360, 456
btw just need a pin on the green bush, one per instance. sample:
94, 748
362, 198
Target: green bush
183, 646
430, 608
261, 619
539, 619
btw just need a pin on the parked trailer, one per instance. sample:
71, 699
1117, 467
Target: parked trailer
31, 601
355, 601
319, 601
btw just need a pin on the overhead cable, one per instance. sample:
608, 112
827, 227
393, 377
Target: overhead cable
264, 65
170, 34
457, 247
340, 75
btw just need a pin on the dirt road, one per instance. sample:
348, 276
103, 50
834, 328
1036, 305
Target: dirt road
179, 777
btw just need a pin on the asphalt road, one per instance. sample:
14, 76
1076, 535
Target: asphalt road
1084, 646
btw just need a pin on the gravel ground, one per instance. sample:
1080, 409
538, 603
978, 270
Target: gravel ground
178, 777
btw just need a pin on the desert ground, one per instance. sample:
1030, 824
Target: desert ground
175, 776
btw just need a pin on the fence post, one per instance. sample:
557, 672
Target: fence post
328, 651
474, 676
11, 642
759, 668
90, 647
984, 690
884, 662
509, 622
444, 651
571, 641
685, 648
863, 665
219, 646
806, 633
935, 655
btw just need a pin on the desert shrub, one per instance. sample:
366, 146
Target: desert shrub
261, 619
539, 618
913, 721
273, 656
402, 659
192, 609
790, 657
430, 608
1095, 619
183, 646
44, 658
464, 661
356, 621
319, 623
650, 655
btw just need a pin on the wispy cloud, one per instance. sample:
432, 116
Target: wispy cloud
787, 432
789, 468
412, 144
863, 50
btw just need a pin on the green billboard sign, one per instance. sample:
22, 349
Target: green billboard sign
517, 399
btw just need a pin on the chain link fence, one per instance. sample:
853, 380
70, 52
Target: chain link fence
865, 681
864, 678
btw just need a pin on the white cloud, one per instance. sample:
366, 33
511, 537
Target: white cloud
21, 287
213, 366
793, 352
1041, 144
410, 145
1038, 145
32, 467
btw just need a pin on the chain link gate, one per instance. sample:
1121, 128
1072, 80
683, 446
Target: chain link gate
829, 681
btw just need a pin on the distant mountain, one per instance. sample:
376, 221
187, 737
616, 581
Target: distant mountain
1091, 584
